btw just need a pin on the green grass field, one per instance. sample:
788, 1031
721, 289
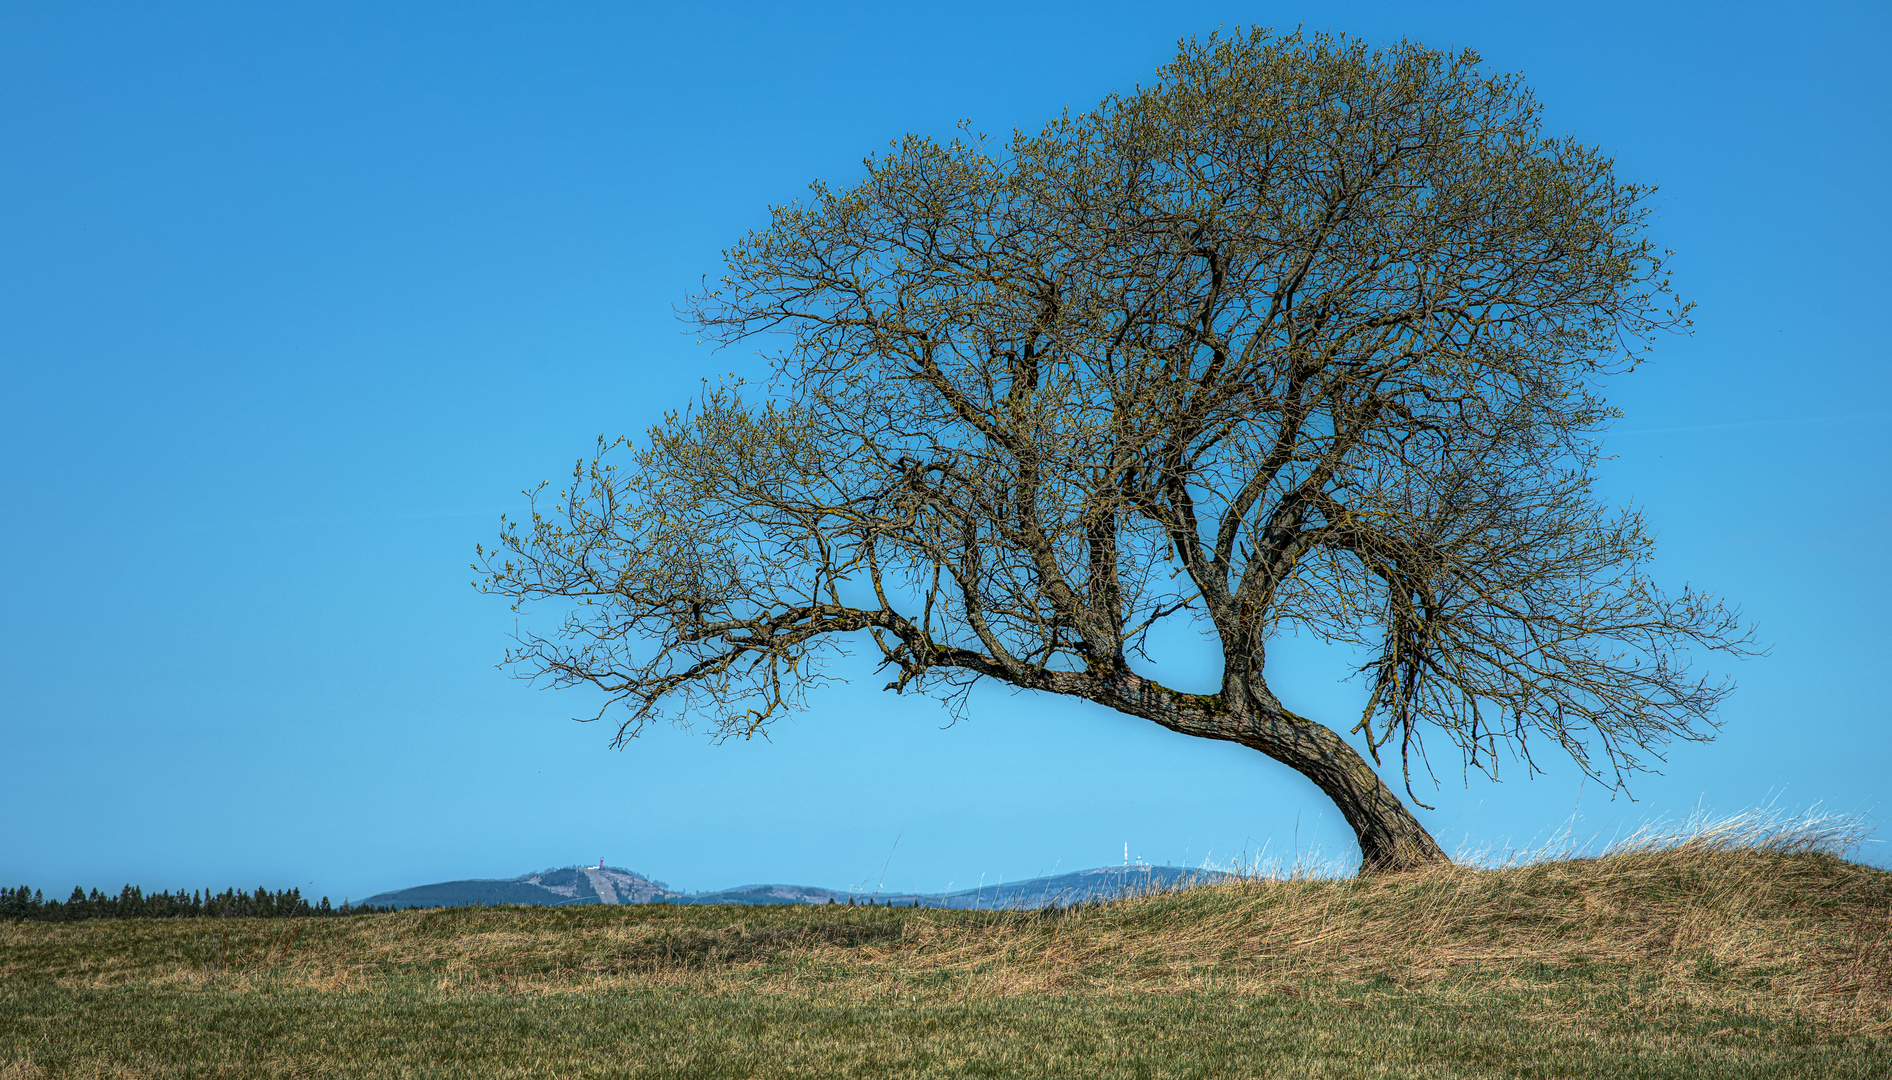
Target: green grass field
1663, 964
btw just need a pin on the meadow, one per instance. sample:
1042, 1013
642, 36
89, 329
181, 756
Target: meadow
1681, 961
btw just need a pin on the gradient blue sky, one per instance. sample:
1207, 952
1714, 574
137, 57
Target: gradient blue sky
295, 298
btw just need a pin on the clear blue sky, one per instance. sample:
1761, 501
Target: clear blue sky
295, 298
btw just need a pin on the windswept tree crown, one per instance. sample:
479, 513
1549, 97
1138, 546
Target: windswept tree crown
1306, 334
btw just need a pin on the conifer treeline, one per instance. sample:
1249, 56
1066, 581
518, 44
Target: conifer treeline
134, 903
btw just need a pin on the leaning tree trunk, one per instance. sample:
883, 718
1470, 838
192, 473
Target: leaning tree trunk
1391, 839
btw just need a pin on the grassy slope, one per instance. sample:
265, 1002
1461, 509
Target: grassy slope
1654, 964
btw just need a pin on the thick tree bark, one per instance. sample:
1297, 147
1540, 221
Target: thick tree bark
1390, 838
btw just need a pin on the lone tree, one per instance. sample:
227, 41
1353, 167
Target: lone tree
1307, 335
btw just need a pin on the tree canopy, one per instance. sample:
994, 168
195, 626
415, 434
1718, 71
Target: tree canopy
1306, 335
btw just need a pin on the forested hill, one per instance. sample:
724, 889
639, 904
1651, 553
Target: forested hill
131, 902
587, 885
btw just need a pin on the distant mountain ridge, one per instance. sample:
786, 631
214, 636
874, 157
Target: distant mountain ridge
616, 885
558, 886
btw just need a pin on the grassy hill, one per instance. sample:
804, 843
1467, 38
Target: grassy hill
1682, 963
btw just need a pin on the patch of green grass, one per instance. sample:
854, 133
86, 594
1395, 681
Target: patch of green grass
1736, 964
411, 1028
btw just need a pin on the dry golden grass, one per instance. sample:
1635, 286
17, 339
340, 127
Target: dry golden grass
1659, 955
